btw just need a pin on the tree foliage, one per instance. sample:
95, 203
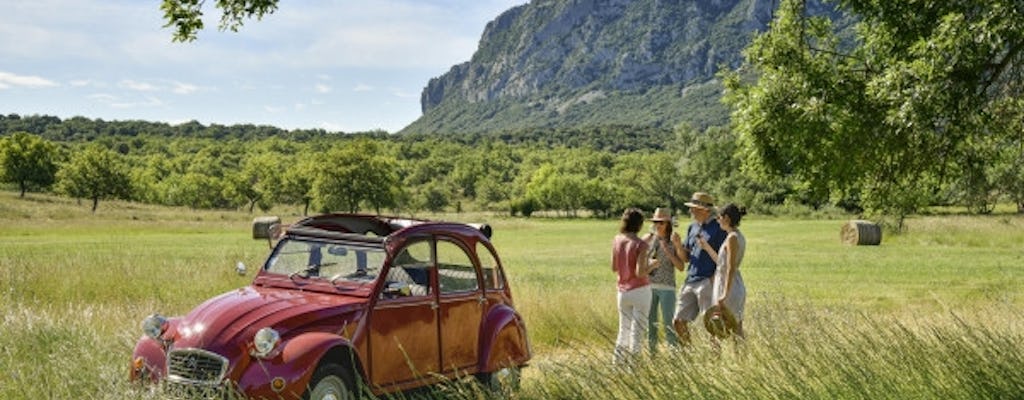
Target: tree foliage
95, 173
899, 107
358, 175
186, 16
28, 161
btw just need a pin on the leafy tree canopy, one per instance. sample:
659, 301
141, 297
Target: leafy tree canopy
186, 16
27, 160
890, 114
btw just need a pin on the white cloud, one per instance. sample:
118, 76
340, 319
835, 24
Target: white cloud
102, 97
183, 88
135, 85
123, 103
8, 79
322, 88
274, 109
362, 87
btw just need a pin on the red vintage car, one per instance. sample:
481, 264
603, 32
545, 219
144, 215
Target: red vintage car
347, 304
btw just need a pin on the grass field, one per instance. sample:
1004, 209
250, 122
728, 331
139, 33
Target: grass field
935, 312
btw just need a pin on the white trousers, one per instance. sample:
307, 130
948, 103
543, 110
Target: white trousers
634, 306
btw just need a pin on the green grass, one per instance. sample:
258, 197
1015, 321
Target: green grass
935, 312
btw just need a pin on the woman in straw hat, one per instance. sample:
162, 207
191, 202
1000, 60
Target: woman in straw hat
667, 250
729, 293
629, 262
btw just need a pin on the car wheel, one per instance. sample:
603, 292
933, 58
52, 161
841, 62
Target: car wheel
330, 382
505, 380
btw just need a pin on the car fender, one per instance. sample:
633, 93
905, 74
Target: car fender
294, 364
149, 361
503, 339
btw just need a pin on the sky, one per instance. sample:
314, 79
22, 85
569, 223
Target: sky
342, 66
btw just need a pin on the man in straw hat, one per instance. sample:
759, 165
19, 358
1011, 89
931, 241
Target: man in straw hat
695, 296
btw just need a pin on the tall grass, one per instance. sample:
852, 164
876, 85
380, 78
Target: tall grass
932, 313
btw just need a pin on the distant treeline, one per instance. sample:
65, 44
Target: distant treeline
614, 138
570, 172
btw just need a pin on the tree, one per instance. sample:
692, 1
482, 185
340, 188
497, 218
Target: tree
28, 161
95, 173
297, 182
194, 190
258, 181
186, 16
355, 174
896, 106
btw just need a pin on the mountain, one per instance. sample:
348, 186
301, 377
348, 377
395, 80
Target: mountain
578, 63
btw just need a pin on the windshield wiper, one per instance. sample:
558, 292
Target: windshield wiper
304, 272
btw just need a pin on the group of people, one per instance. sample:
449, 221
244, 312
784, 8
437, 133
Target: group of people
709, 254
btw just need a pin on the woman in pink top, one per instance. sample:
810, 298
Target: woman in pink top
629, 261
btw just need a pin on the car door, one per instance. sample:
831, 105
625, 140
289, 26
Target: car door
461, 306
403, 335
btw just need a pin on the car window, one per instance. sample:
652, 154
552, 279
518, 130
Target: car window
455, 270
409, 274
489, 268
316, 259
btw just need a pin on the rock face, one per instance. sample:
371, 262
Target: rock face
573, 62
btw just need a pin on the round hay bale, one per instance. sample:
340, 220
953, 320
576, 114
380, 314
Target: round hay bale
860, 232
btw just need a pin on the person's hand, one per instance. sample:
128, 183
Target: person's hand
702, 243
676, 240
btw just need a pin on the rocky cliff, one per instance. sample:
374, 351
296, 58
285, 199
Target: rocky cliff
564, 63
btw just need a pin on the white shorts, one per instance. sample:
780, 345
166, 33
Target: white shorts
694, 298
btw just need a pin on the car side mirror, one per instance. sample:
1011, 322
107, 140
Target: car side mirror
266, 228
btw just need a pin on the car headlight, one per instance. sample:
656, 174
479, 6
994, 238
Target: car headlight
265, 341
154, 325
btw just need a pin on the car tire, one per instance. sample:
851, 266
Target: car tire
504, 380
330, 382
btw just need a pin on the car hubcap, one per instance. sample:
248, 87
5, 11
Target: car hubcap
329, 388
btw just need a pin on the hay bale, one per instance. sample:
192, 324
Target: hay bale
265, 227
860, 232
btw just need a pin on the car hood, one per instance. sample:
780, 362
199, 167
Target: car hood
227, 323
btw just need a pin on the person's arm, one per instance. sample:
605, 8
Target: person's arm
684, 249
707, 247
678, 254
731, 243
643, 268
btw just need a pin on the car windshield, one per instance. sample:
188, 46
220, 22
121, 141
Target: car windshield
336, 262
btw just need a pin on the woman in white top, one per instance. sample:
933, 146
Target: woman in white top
729, 292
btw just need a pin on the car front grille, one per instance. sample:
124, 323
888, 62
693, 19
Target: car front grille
196, 367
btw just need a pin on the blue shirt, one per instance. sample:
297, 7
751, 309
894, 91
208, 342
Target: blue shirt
702, 266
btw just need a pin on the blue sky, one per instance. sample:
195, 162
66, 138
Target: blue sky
337, 65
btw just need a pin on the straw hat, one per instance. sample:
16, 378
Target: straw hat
719, 321
701, 200
661, 214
